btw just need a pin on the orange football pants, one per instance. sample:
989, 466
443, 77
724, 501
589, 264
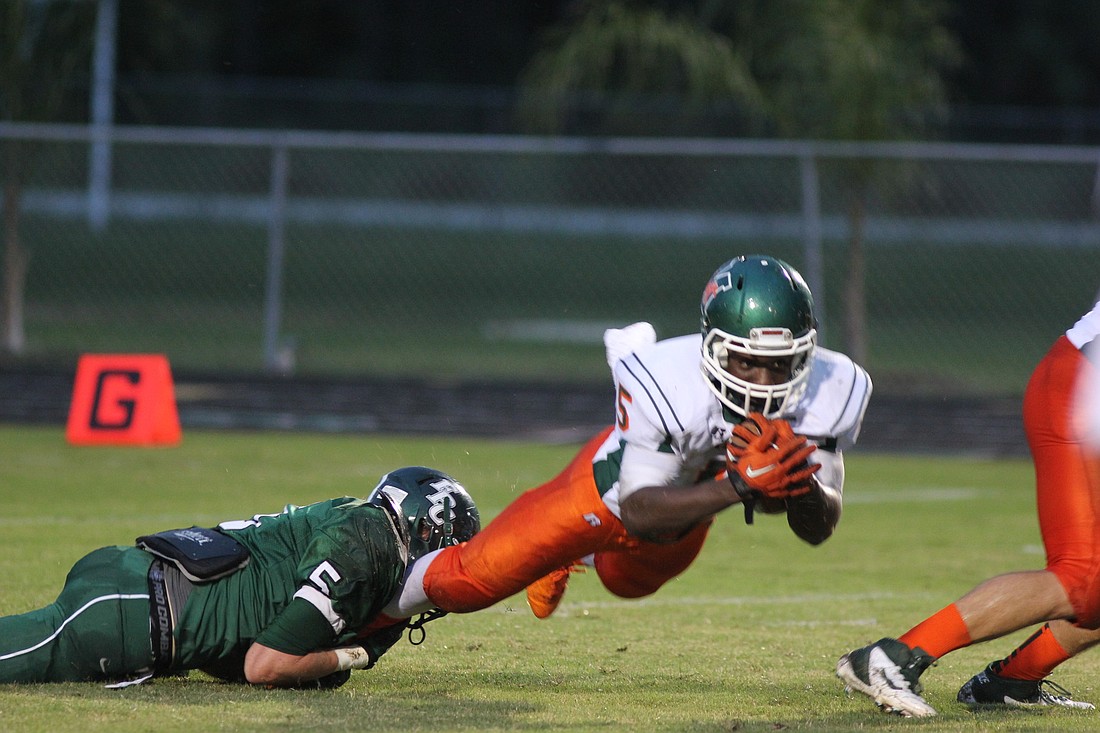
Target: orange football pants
1067, 479
549, 527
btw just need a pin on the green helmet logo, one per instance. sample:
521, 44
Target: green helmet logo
757, 306
438, 510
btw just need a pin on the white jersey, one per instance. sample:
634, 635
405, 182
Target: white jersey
1086, 330
1085, 335
670, 428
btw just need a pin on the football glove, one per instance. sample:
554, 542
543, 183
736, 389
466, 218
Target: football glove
766, 458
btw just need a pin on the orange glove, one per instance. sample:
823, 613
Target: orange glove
765, 458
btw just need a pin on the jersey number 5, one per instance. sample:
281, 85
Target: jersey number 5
317, 577
624, 416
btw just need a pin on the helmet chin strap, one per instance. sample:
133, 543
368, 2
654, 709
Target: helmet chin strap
416, 628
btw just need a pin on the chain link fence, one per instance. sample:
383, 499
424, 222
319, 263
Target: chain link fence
504, 258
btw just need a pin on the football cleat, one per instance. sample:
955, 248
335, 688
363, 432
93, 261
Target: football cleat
987, 688
544, 595
889, 673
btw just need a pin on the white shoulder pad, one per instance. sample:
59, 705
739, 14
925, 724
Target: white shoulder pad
835, 401
620, 342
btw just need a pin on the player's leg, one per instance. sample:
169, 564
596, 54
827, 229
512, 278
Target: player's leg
1067, 501
642, 567
28, 644
98, 628
1067, 474
546, 528
1067, 481
1044, 650
1020, 679
1066, 492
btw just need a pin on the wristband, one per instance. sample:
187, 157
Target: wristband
351, 657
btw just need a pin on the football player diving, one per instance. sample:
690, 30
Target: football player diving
749, 411
295, 599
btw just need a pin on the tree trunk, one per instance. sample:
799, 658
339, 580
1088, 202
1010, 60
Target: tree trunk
855, 299
16, 257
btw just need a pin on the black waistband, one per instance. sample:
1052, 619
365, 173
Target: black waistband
168, 592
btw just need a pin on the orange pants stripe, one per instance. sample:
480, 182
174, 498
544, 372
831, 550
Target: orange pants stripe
549, 527
1067, 479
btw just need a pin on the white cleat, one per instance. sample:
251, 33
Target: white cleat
888, 672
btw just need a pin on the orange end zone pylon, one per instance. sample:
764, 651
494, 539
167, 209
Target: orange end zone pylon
123, 399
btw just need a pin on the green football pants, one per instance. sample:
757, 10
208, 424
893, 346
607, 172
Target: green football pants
97, 629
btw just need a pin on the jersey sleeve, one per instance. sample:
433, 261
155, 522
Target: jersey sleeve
646, 424
851, 418
642, 467
831, 413
642, 414
351, 568
299, 629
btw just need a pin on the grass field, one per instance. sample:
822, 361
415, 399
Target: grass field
745, 640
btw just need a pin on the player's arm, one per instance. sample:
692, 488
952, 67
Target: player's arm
273, 668
653, 508
814, 515
300, 643
666, 512
297, 647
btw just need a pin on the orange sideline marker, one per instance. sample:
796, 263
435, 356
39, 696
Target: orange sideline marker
123, 399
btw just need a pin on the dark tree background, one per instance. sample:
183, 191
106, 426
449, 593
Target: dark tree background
1030, 71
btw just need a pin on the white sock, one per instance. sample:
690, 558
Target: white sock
411, 600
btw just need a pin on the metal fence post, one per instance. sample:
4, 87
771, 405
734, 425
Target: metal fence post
103, 112
811, 237
276, 246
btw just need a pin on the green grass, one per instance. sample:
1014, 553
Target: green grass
745, 640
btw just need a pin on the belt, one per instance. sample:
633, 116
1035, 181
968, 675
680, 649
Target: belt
168, 592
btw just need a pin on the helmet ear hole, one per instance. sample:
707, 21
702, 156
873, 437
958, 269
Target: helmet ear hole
424, 529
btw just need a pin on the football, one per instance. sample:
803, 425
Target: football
764, 505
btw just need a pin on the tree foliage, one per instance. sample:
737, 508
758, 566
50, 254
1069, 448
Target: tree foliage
859, 70
622, 60
43, 45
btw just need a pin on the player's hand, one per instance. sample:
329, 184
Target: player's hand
766, 458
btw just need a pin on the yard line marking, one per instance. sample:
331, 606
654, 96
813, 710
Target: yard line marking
852, 496
914, 494
799, 598
680, 601
86, 520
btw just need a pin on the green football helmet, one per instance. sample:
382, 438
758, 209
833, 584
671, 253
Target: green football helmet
758, 306
438, 510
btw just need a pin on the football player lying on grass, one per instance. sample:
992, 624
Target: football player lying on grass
296, 599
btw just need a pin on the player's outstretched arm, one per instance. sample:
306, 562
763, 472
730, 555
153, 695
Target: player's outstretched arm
266, 666
297, 648
273, 668
662, 513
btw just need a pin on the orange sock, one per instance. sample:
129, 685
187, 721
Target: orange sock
942, 632
1035, 659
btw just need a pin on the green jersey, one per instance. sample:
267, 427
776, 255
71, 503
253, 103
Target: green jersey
319, 576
